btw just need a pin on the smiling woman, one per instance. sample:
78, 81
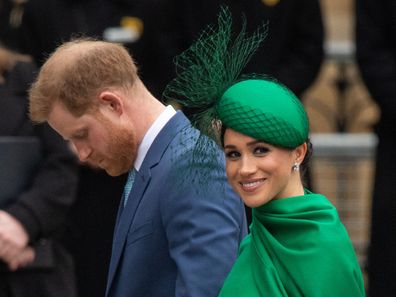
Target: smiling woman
265, 140
297, 245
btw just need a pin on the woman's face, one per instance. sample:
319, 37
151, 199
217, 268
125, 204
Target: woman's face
260, 172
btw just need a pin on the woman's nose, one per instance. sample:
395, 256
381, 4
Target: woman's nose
248, 166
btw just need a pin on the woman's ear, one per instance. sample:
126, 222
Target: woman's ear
112, 102
300, 152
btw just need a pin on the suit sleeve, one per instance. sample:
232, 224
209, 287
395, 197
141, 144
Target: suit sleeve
204, 229
44, 204
43, 207
376, 56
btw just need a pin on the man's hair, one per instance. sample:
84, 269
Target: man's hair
76, 72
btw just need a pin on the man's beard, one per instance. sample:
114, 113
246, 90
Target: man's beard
121, 149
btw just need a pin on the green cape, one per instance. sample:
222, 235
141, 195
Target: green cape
297, 247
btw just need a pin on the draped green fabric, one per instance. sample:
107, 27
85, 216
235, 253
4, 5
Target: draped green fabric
297, 247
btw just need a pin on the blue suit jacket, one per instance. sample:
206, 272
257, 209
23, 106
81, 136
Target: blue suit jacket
173, 238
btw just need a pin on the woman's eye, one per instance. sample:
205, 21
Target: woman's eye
232, 155
261, 150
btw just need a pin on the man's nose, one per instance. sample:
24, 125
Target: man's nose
83, 152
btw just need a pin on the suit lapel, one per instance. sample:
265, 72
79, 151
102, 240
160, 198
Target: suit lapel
126, 216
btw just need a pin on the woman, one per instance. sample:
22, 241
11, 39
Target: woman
297, 245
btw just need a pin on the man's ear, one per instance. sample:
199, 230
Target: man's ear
112, 102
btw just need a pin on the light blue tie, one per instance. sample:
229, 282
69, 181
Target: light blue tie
129, 185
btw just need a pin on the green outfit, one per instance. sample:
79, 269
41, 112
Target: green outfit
297, 247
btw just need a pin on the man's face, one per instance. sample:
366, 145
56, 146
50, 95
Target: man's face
98, 139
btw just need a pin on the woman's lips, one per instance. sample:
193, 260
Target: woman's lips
251, 185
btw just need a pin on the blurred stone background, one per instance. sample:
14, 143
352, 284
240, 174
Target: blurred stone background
342, 116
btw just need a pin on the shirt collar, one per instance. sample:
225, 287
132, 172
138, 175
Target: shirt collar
151, 134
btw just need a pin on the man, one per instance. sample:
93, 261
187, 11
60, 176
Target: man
376, 57
173, 237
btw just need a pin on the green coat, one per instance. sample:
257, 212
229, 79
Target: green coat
297, 247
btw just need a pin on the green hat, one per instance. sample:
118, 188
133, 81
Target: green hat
264, 110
